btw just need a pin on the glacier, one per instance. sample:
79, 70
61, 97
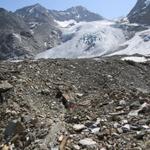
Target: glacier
87, 39
139, 44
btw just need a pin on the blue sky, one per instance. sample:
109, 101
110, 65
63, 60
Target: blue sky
107, 8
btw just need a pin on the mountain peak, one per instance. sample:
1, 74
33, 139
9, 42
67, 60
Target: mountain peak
37, 5
32, 8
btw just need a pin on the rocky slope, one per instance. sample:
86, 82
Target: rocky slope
21, 38
140, 13
14, 35
41, 25
75, 104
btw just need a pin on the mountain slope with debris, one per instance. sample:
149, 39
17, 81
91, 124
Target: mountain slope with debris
43, 104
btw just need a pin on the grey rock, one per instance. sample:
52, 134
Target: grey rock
122, 103
135, 105
126, 128
87, 142
5, 86
140, 135
13, 128
95, 130
79, 127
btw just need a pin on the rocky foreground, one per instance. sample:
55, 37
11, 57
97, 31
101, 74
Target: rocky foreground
87, 104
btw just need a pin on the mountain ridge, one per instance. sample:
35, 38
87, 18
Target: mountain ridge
140, 12
33, 29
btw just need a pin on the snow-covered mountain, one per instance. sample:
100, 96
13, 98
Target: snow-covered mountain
126, 36
87, 40
73, 33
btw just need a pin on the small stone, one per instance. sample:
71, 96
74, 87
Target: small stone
97, 121
116, 125
137, 127
5, 147
87, 142
119, 108
43, 147
45, 92
147, 145
124, 122
126, 128
55, 148
79, 95
76, 147
135, 105
122, 102
95, 130
60, 138
101, 135
140, 135
144, 108
133, 113
119, 130
79, 127
13, 128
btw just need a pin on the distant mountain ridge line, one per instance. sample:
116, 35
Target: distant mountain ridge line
33, 29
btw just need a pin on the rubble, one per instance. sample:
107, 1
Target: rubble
51, 105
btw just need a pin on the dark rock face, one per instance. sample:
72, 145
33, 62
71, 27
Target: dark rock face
140, 13
77, 13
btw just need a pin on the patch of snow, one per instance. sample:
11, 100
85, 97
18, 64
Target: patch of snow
78, 16
17, 36
89, 40
32, 32
135, 59
139, 44
45, 44
31, 10
66, 23
33, 24
15, 61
